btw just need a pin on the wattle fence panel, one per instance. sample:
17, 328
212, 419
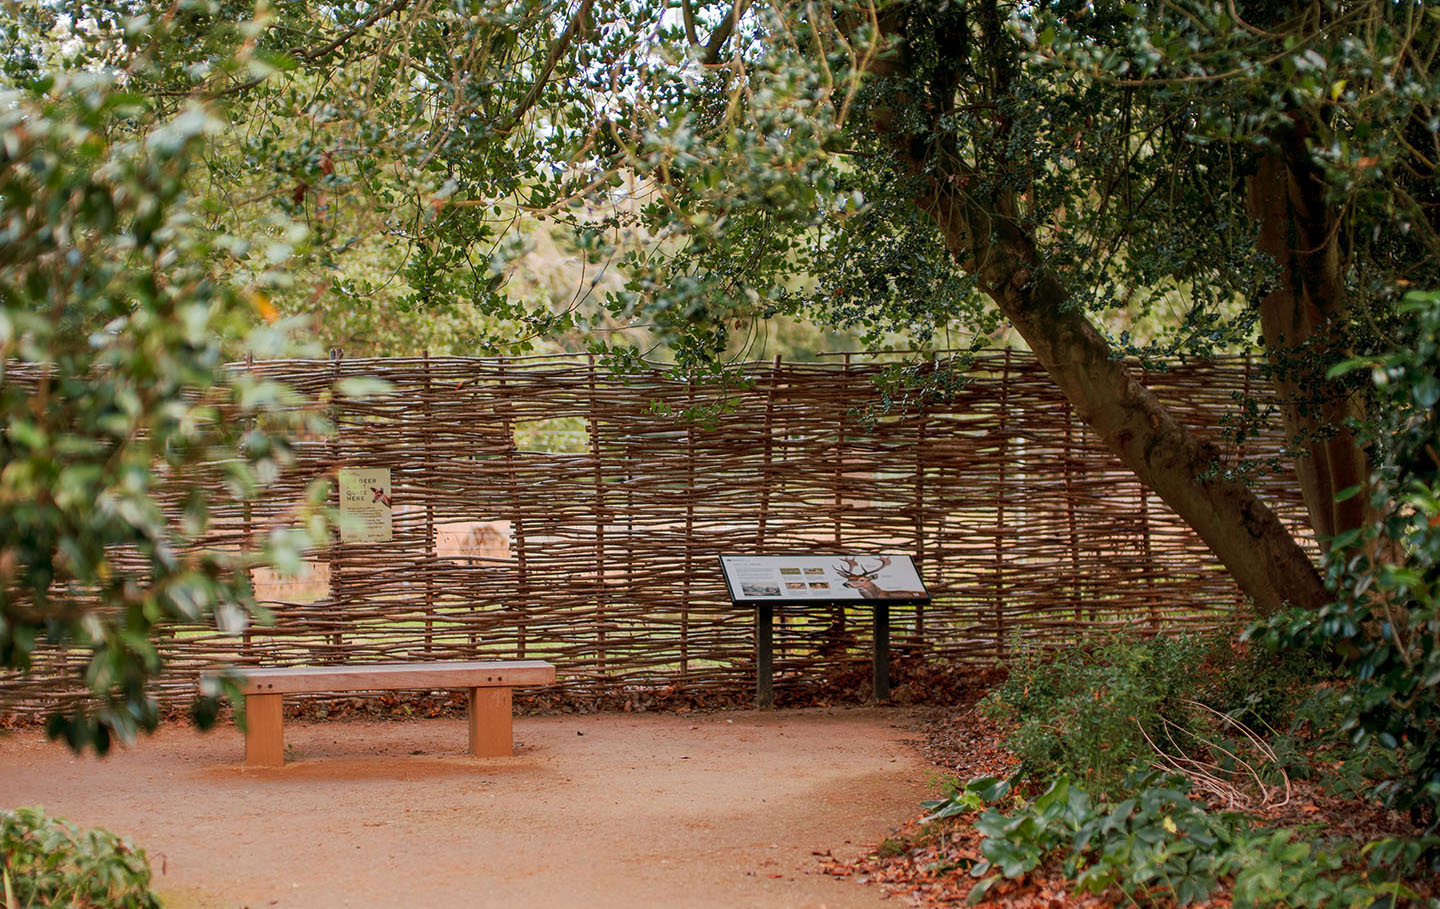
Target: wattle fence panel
547, 508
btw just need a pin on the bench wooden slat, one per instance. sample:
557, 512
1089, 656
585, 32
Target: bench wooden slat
393, 676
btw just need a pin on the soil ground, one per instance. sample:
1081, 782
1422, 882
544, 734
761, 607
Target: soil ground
713, 809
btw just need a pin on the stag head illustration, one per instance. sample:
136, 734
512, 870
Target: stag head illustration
860, 577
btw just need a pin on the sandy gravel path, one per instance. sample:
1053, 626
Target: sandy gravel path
720, 809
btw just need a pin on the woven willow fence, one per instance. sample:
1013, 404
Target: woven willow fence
602, 558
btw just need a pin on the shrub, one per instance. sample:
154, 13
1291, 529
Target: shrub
122, 426
1087, 716
1385, 619
1274, 692
1082, 716
50, 862
1159, 847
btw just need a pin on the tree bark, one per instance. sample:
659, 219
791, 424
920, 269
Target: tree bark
1300, 320
1242, 532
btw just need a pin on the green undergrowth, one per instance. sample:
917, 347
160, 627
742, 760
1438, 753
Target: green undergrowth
1125, 748
1094, 714
50, 862
1159, 846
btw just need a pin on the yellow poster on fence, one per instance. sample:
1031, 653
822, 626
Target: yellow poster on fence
365, 505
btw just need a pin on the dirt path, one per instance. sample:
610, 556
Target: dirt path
717, 809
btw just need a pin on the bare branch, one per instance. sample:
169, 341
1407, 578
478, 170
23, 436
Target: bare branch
325, 50
310, 54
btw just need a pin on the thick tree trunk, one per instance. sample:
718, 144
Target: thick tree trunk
984, 236
1300, 320
1242, 532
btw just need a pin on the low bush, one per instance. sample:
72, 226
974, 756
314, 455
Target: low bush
51, 862
1082, 715
1385, 620
1101, 712
1159, 847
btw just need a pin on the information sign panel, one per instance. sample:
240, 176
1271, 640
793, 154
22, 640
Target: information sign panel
797, 579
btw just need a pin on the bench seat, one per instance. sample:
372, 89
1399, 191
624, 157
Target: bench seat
489, 702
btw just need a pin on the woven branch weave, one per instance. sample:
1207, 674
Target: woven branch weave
602, 558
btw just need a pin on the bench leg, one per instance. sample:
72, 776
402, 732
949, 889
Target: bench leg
490, 722
264, 731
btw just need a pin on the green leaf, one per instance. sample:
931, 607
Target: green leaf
1345, 539
977, 892
989, 788
1348, 492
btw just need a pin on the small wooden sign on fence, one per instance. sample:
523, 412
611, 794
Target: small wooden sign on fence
365, 505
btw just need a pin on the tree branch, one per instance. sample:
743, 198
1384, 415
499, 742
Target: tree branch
722, 32
329, 48
309, 54
687, 13
556, 52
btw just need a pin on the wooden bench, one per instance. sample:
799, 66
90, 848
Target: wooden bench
489, 705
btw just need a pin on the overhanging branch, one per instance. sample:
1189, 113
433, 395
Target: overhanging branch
556, 52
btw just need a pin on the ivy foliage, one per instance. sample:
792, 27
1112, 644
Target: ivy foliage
1386, 576
1159, 848
1096, 734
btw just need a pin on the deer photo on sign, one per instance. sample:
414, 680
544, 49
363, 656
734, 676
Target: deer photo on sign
862, 578
365, 504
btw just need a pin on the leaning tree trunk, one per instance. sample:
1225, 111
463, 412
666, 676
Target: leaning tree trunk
1242, 532
985, 238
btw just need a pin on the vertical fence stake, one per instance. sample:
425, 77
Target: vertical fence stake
1000, 513
766, 456
430, 553
920, 428
838, 617
839, 506
600, 519
767, 476
687, 578
337, 585
1245, 396
1076, 585
1151, 594
517, 514
247, 645
630, 461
